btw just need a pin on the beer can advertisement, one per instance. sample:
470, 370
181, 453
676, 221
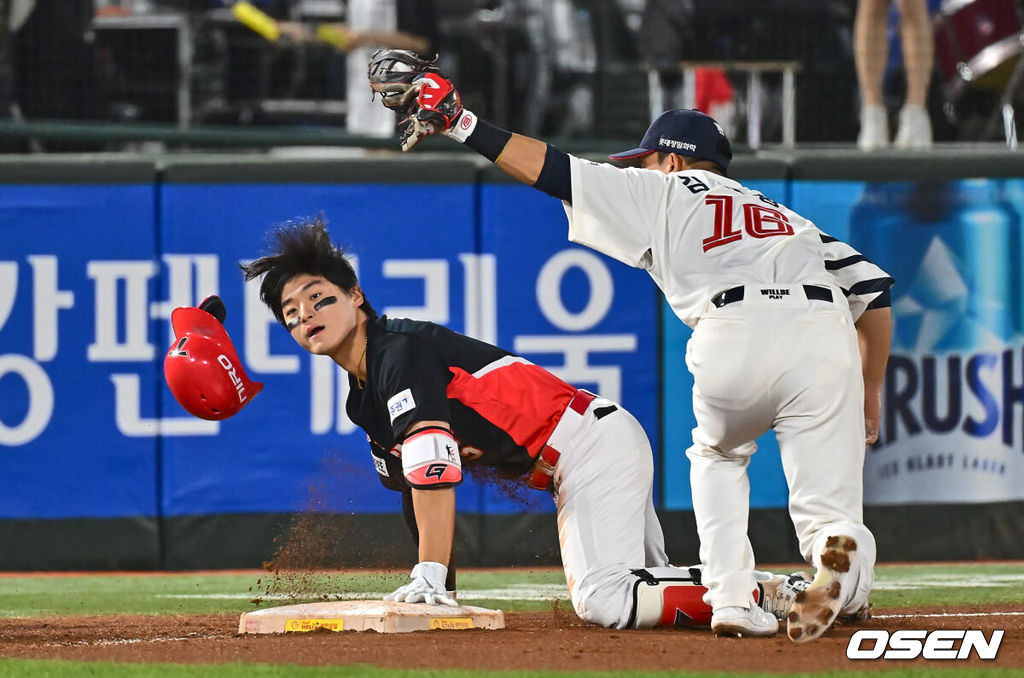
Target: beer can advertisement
952, 427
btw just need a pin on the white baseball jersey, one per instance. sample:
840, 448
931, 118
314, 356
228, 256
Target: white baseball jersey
781, 356
698, 233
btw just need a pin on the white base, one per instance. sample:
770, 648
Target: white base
364, 615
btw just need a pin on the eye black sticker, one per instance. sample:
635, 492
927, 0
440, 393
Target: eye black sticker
326, 301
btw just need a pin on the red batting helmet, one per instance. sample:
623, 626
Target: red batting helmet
201, 367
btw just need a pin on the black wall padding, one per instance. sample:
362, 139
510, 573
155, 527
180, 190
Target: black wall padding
80, 544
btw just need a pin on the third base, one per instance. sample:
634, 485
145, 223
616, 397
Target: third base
364, 615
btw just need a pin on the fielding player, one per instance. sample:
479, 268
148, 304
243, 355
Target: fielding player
432, 401
774, 304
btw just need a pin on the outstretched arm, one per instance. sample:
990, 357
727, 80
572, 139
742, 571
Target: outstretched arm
417, 89
524, 158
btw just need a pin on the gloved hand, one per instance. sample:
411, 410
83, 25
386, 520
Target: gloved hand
417, 89
438, 107
427, 586
393, 74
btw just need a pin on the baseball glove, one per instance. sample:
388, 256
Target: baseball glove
392, 72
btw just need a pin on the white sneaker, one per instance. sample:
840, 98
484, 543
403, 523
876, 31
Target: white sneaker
874, 128
815, 608
915, 130
780, 591
743, 621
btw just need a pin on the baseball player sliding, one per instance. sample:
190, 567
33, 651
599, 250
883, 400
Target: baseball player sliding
791, 331
434, 404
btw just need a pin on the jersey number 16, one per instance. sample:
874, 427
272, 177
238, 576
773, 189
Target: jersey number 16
758, 222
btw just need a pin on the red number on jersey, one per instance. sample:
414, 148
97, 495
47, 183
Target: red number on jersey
763, 222
758, 221
724, 233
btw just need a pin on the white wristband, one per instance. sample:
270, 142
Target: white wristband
463, 127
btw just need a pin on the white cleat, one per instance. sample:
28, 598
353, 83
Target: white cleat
742, 621
815, 608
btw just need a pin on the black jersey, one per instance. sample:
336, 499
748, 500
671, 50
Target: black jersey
501, 408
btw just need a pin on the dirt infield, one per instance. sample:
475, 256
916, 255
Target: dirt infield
552, 640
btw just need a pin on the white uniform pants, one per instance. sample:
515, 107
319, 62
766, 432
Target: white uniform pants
607, 526
791, 365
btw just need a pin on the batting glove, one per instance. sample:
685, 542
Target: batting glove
438, 107
427, 586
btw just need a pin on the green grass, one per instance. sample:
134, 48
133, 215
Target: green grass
949, 584
25, 668
36, 596
230, 593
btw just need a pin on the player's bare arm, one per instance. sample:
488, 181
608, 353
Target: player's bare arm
523, 158
435, 512
432, 467
435, 519
874, 335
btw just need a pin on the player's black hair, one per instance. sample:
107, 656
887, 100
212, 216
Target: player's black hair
302, 246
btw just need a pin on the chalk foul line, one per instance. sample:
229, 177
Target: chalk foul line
947, 614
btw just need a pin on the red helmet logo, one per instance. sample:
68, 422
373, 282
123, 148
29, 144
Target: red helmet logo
202, 368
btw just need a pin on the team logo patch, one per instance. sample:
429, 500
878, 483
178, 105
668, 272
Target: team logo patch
179, 349
382, 468
400, 404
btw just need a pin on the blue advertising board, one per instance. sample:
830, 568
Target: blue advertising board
90, 273
84, 326
78, 368
293, 448
588, 318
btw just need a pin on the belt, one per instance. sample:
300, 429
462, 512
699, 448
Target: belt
734, 294
544, 468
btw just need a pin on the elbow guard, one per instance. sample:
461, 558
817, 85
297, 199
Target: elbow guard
430, 459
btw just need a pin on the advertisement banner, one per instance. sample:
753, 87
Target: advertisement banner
588, 318
78, 368
503, 273
952, 427
89, 276
293, 448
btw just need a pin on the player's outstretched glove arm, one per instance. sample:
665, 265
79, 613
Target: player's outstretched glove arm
427, 586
